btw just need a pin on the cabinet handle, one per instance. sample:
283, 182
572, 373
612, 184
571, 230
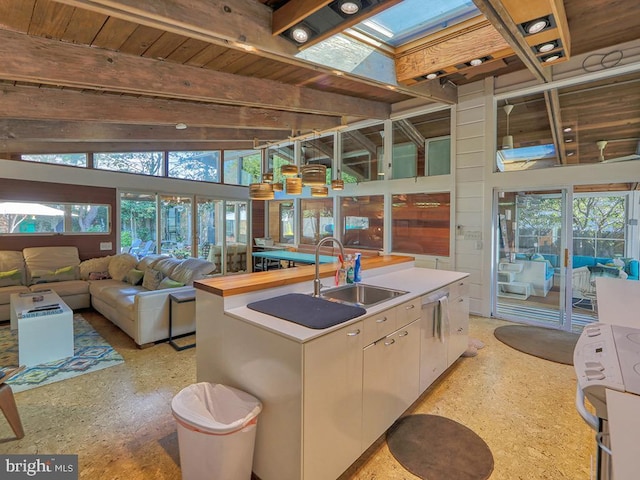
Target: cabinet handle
403, 334
410, 307
460, 330
461, 284
460, 300
389, 342
353, 334
381, 320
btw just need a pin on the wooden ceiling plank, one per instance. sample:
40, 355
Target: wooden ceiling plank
206, 55
83, 27
140, 40
51, 104
50, 19
187, 50
14, 17
74, 131
31, 147
114, 33
164, 46
81, 66
293, 12
244, 21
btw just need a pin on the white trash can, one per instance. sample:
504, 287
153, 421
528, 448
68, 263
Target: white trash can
216, 431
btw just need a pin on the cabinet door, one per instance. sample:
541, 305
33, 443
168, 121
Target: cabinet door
332, 403
459, 328
391, 380
433, 347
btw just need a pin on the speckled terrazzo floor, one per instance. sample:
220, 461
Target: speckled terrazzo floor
119, 421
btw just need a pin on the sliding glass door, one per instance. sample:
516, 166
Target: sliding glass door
530, 268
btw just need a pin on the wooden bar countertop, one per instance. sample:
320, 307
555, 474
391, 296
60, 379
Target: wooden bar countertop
228, 285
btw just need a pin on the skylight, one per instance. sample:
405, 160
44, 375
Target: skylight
411, 19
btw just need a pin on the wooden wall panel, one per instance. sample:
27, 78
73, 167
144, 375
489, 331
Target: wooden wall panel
88, 245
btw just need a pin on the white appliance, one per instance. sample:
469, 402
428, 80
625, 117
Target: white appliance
607, 363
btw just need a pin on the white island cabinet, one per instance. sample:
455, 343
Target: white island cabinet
327, 394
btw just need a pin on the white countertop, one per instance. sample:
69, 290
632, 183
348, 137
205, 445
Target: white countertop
416, 281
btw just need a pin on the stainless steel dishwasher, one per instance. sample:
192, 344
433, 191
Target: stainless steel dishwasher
434, 332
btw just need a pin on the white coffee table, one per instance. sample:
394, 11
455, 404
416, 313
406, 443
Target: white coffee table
45, 334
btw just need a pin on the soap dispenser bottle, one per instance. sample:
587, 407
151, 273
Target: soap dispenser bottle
350, 270
357, 269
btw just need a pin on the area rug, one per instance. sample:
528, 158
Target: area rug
437, 448
547, 343
91, 353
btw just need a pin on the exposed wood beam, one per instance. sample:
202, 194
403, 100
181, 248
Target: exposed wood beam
412, 133
69, 131
552, 100
294, 11
443, 92
39, 60
363, 141
56, 104
501, 20
30, 147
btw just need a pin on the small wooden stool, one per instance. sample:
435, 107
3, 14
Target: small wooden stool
8, 404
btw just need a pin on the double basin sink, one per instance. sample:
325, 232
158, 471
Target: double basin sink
360, 294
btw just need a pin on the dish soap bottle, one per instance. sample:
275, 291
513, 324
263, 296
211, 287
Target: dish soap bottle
357, 269
350, 272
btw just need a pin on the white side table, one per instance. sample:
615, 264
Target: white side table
44, 334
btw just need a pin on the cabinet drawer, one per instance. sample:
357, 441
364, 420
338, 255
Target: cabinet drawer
379, 325
459, 288
408, 312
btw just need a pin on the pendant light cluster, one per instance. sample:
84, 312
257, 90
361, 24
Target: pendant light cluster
309, 175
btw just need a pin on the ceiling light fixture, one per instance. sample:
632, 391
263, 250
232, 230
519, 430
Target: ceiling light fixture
601, 144
546, 47
289, 170
536, 26
566, 129
552, 58
475, 62
261, 191
293, 185
320, 191
301, 34
350, 7
181, 126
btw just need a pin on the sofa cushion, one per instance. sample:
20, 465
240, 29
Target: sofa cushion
167, 265
167, 282
120, 294
94, 265
583, 261
152, 279
96, 288
70, 287
148, 261
120, 265
6, 292
10, 277
44, 262
192, 269
12, 260
134, 276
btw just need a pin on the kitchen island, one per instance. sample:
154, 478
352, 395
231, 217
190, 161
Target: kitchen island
328, 394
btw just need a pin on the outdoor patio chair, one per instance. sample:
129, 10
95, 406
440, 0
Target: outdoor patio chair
147, 248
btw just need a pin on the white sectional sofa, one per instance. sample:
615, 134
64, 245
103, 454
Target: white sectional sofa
133, 294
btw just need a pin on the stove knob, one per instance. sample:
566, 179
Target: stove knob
593, 332
594, 375
594, 366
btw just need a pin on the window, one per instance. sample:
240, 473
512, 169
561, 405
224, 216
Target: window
203, 166
317, 219
281, 221
146, 163
599, 226
175, 225
242, 167
72, 159
138, 213
362, 154
420, 223
237, 226
34, 218
276, 158
438, 161
362, 218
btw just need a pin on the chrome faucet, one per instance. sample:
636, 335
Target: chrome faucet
316, 282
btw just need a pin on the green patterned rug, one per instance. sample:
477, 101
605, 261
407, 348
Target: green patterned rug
91, 353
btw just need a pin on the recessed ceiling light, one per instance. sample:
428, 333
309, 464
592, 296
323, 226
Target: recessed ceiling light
475, 62
552, 58
300, 34
349, 7
570, 154
568, 140
536, 26
431, 76
181, 126
546, 47
566, 129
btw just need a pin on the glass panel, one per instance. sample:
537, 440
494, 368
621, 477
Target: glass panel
242, 167
438, 156
208, 231
146, 163
175, 226
276, 158
137, 222
599, 225
317, 219
421, 223
72, 159
361, 154
236, 232
362, 218
203, 166
318, 151
281, 221
90, 218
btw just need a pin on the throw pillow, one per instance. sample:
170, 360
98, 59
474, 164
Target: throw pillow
192, 269
98, 264
10, 278
169, 283
135, 276
120, 265
98, 276
536, 257
152, 279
